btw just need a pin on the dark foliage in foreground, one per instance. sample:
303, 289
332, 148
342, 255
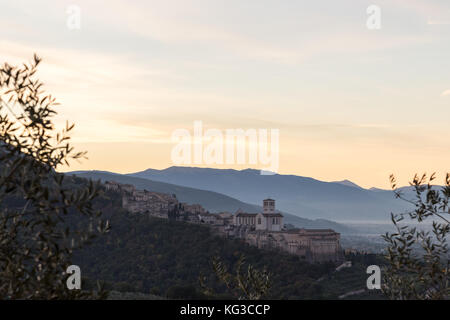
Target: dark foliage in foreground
36, 244
424, 273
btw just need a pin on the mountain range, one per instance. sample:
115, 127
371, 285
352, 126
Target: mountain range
305, 202
210, 200
302, 196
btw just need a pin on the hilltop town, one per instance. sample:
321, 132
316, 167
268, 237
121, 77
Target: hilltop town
261, 229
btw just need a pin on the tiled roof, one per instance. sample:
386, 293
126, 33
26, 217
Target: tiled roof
277, 214
245, 214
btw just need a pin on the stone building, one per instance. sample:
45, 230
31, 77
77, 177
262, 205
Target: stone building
209, 218
266, 230
193, 208
143, 201
227, 218
263, 229
311, 244
268, 220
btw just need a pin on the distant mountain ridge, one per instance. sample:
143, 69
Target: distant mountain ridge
348, 183
302, 196
212, 201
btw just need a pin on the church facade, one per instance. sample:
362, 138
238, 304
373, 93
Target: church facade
266, 230
268, 220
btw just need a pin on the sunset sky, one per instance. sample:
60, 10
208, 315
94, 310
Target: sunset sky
349, 102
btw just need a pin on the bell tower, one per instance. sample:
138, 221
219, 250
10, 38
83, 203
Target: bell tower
269, 206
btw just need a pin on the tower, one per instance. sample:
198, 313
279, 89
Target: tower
269, 206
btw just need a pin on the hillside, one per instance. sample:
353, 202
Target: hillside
212, 201
165, 258
302, 196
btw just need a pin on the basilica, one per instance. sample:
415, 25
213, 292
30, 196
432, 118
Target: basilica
264, 229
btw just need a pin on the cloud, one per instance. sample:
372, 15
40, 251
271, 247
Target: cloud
438, 23
445, 93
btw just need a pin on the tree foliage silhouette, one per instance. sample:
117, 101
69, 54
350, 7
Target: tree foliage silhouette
36, 244
250, 284
418, 260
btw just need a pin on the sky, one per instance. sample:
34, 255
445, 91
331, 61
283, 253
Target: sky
349, 102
